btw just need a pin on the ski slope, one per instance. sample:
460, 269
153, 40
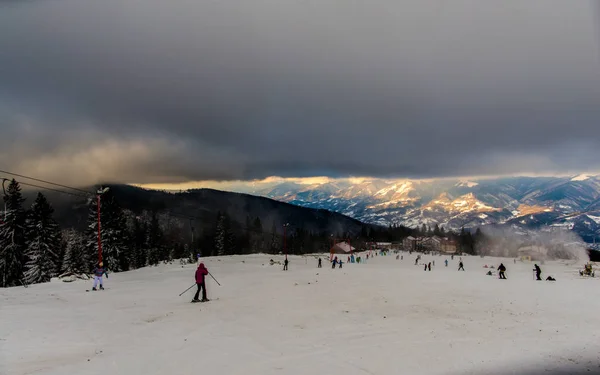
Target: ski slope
384, 317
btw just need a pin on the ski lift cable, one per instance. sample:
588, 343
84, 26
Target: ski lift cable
90, 194
45, 187
46, 182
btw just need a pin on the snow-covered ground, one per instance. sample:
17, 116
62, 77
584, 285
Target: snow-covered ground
384, 317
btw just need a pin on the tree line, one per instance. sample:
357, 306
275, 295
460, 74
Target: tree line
34, 248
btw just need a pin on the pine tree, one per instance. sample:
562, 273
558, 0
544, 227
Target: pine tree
230, 247
12, 237
61, 254
258, 242
274, 240
91, 235
155, 241
220, 235
178, 251
139, 244
43, 242
77, 258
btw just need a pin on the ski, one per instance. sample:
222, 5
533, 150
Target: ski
201, 301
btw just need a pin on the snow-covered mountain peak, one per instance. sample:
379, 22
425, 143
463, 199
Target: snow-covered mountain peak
468, 184
464, 203
400, 188
581, 177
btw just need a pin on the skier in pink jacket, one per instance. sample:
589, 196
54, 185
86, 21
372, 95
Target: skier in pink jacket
200, 273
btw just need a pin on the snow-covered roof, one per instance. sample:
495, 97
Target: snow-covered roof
342, 247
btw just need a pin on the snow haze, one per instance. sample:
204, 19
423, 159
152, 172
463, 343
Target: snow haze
384, 317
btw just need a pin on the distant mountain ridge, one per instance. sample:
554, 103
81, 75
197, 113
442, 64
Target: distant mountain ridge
203, 205
520, 202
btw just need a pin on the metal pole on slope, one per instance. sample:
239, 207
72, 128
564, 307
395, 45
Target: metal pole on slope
99, 235
285, 238
331, 250
4, 190
98, 194
192, 251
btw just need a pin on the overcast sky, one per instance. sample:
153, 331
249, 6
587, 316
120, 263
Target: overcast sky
160, 91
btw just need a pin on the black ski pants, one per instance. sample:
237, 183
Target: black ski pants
203, 287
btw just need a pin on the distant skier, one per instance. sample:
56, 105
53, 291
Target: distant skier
285, 264
461, 266
452, 257
340, 263
200, 273
425, 269
429, 266
434, 263
538, 272
446, 261
334, 262
501, 270
319, 265
401, 257
98, 272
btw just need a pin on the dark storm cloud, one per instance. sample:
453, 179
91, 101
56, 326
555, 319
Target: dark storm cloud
153, 91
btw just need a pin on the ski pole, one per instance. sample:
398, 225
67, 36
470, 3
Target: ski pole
214, 278
187, 290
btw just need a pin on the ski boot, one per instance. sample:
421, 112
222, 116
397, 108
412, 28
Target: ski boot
196, 300
101, 287
94, 289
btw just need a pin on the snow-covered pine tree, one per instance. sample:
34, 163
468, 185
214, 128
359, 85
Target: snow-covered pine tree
91, 235
155, 253
229, 236
77, 258
220, 235
61, 254
139, 243
178, 251
12, 237
258, 244
43, 242
274, 240
115, 235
